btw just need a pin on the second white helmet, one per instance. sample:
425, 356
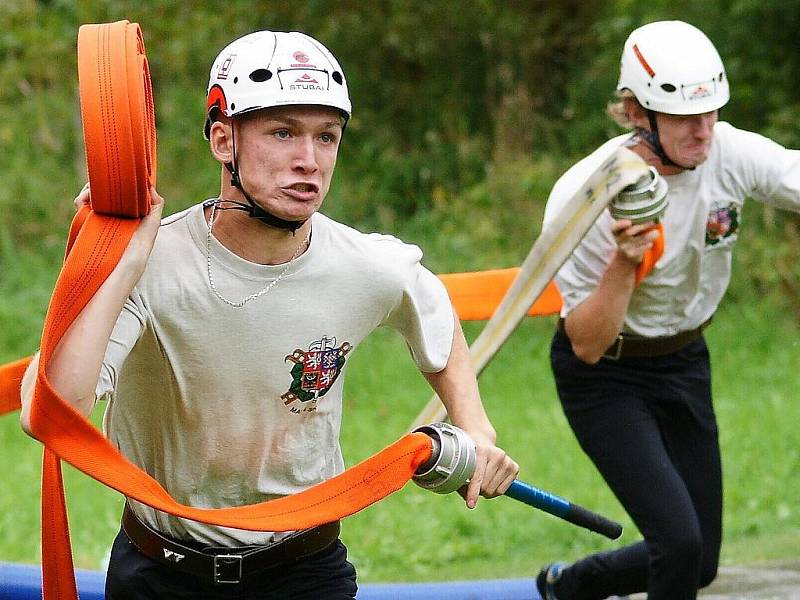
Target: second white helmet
672, 67
274, 68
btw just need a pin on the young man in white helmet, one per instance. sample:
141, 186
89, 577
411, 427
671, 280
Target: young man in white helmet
220, 342
630, 363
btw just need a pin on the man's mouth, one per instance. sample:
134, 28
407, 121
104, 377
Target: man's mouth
303, 188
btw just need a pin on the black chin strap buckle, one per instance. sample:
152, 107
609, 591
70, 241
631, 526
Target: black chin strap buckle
259, 213
254, 210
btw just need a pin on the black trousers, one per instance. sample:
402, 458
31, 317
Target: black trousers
648, 425
326, 575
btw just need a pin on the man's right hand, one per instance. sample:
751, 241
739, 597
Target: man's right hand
633, 240
138, 250
142, 242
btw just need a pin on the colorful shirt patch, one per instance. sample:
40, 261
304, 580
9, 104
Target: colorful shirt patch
315, 370
722, 223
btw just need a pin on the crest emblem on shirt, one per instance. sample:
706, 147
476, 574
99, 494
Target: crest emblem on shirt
722, 223
315, 370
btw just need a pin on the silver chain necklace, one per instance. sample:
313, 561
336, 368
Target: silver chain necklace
267, 287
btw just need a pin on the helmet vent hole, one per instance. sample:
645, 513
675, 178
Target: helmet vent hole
235, 80
337, 77
233, 106
721, 75
668, 87
260, 75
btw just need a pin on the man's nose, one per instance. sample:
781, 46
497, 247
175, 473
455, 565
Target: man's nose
305, 158
704, 125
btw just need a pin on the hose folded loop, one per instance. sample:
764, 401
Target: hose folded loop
116, 99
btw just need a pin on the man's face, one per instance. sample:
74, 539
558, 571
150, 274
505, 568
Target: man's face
687, 138
286, 156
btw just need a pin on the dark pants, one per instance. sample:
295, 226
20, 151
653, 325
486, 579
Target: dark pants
648, 425
326, 575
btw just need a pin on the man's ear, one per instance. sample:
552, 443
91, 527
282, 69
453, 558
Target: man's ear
220, 140
636, 114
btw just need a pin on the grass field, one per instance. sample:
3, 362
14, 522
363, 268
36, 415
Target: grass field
416, 536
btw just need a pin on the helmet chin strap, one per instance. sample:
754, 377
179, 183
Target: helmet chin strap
653, 140
252, 209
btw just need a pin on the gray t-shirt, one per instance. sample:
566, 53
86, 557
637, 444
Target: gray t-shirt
701, 226
228, 406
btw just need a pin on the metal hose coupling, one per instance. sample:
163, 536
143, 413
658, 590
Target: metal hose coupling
645, 200
452, 461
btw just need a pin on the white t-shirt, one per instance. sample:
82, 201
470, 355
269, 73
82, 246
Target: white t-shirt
228, 406
701, 226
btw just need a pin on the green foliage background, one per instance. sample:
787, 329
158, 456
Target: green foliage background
465, 113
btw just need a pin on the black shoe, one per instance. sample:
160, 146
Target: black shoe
547, 578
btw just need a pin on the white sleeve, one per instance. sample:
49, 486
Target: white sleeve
769, 172
424, 317
581, 272
128, 329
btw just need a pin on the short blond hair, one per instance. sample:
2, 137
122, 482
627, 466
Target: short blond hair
617, 111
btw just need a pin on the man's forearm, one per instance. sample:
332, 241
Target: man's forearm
457, 388
74, 365
595, 323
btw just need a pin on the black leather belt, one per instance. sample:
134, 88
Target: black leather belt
222, 564
633, 346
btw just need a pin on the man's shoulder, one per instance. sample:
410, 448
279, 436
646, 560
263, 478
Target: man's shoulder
383, 260
573, 178
732, 138
348, 238
580, 171
175, 233
181, 215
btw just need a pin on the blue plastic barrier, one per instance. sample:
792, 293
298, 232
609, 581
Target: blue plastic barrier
23, 582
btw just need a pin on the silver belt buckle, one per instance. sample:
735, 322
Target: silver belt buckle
228, 568
618, 352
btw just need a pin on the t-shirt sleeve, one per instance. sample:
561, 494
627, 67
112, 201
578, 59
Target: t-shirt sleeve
127, 331
583, 269
423, 315
768, 172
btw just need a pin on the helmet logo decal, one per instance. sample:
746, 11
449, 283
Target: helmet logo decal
300, 57
315, 370
643, 62
306, 82
225, 66
301, 60
696, 91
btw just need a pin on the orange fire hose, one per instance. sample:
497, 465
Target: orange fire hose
652, 255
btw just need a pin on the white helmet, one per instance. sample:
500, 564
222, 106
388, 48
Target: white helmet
274, 68
672, 67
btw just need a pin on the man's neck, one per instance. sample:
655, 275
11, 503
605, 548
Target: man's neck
640, 147
255, 241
